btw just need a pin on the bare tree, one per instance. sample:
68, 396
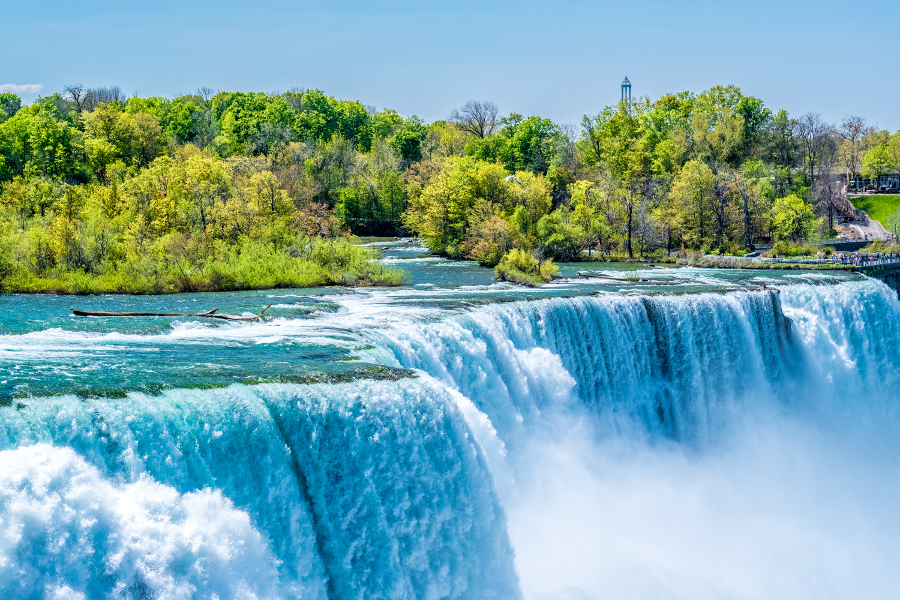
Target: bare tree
205, 93
853, 130
111, 94
739, 178
294, 97
269, 137
813, 133
77, 94
827, 191
93, 96
477, 118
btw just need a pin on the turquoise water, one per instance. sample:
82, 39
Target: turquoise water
309, 335
656, 432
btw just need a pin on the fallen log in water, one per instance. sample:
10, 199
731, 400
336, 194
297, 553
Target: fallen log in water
211, 314
597, 276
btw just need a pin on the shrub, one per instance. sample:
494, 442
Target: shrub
785, 249
518, 266
880, 246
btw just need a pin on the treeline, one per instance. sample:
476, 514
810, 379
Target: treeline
716, 172
203, 192
169, 192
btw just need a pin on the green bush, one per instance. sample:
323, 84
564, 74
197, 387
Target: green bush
785, 249
730, 248
518, 266
880, 246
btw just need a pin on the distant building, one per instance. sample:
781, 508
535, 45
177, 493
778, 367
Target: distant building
626, 90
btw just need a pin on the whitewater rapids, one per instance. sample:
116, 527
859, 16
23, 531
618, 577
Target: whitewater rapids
738, 445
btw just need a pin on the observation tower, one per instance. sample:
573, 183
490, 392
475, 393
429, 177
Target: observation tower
626, 90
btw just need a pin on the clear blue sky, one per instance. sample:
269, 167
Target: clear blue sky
554, 59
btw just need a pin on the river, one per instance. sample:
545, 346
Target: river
651, 433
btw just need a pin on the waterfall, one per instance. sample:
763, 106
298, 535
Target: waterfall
677, 364
489, 474
364, 490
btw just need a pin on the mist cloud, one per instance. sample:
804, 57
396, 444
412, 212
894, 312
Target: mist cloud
16, 88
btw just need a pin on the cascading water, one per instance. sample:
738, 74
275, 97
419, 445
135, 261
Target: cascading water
674, 363
697, 445
364, 490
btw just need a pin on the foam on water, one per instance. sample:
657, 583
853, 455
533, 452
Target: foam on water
66, 531
708, 445
366, 490
739, 445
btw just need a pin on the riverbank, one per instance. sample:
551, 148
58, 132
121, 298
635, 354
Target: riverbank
251, 266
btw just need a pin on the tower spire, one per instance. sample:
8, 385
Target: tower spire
626, 90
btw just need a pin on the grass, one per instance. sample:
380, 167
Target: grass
241, 267
879, 207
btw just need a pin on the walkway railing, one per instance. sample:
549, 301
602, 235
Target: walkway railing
879, 262
855, 261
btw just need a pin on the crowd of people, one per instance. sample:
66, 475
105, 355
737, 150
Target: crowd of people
864, 258
852, 258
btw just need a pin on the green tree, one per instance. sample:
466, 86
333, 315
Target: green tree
385, 123
893, 146
792, 218
408, 141
441, 214
41, 141
756, 116
392, 199
570, 230
781, 150
618, 138
354, 123
180, 120
717, 137
878, 161
9, 106
691, 202
16, 199
242, 121
530, 144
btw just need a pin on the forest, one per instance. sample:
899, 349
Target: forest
231, 190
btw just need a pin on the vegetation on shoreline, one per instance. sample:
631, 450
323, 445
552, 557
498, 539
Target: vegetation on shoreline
519, 266
785, 249
148, 196
99, 192
248, 265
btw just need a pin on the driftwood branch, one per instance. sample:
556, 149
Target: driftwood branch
596, 276
211, 314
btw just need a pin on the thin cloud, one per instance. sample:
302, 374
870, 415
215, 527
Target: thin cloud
26, 88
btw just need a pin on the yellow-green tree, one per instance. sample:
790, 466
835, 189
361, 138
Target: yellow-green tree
690, 202
878, 161
792, 218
